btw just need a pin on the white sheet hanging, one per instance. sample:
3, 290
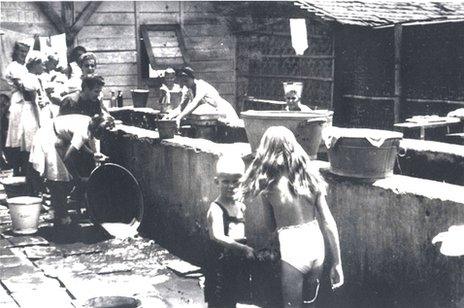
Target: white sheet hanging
299, 35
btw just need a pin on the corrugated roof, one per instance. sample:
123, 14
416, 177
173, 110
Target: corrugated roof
374, 13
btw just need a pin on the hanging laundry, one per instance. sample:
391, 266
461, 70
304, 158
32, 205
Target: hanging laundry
299, 35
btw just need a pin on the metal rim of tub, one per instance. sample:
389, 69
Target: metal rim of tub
94, 196
280, 114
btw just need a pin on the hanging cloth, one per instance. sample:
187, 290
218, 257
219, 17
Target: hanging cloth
299, 35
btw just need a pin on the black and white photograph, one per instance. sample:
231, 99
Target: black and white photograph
222, 154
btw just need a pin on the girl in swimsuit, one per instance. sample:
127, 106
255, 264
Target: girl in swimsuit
282, 175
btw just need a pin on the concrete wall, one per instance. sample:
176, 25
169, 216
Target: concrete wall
432, 160
385, 227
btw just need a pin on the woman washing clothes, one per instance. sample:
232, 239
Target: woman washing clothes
292, 189
201, 98
55, 156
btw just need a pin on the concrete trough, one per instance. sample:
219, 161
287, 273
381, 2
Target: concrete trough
385, 226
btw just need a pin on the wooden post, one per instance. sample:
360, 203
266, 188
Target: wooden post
398, 33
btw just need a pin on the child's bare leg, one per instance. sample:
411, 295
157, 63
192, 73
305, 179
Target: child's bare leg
312, 283
292, 285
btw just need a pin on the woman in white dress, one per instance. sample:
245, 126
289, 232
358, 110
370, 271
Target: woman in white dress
18, 77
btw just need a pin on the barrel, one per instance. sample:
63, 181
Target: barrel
114, 198
140, 97
362, 153
24, 212
306, 126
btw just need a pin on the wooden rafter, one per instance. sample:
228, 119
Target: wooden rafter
51, 14
63, 26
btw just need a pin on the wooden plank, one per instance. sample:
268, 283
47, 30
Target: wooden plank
205, 30
116, 6
120, 80
116, 57
43, 29
311, 57
200, 7
204, 18
208, 41
122, 32
26, 16
115, 69
53, 17
83, 17
166, 62
398, 33
106, 44
114, 18
212, 66
228, 76
159, 6
159, 18
210, 54
167, 52
433, 101
164, 42
288, 77
18, 5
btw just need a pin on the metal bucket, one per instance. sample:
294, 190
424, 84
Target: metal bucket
25, 212
167, 128
140, 97
353, 153
306, 126
15, 186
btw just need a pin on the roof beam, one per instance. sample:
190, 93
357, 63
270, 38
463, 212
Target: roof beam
54, 18
83, 17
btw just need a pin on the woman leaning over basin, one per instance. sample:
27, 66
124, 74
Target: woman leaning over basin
201, 98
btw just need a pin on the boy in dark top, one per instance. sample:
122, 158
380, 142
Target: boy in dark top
226, 276
87, 101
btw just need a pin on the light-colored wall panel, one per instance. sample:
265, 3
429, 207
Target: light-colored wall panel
116, 6
159, 18
111, 18
117, 69
104, 44
117, 57
102, 31
158, 6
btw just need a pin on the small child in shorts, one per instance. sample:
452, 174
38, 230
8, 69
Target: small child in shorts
226, 275
171, 92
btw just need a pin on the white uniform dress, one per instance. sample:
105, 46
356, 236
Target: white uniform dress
24, 121
212, 102
53, 140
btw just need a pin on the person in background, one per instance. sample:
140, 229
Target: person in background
53, 80
74, 70
202, 98
55, 156
293, 101
87, 64
4, 106
15, 75
226, 269
291, 188
171, 92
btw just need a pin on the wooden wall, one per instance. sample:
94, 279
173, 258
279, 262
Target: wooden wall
266, 58
112, 34
19, 20
113, 29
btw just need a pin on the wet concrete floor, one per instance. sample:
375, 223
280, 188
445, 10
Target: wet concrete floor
47, 269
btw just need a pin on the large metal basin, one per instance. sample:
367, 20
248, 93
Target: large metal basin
306, 126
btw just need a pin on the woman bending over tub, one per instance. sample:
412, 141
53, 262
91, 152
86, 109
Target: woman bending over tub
294, 191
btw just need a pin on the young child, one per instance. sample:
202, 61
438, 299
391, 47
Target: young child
281, 173
293, 101
171, 92
226, 270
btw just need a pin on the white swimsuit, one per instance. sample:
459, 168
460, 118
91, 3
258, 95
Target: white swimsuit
302, 246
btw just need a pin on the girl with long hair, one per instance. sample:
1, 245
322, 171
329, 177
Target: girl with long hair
294, 191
